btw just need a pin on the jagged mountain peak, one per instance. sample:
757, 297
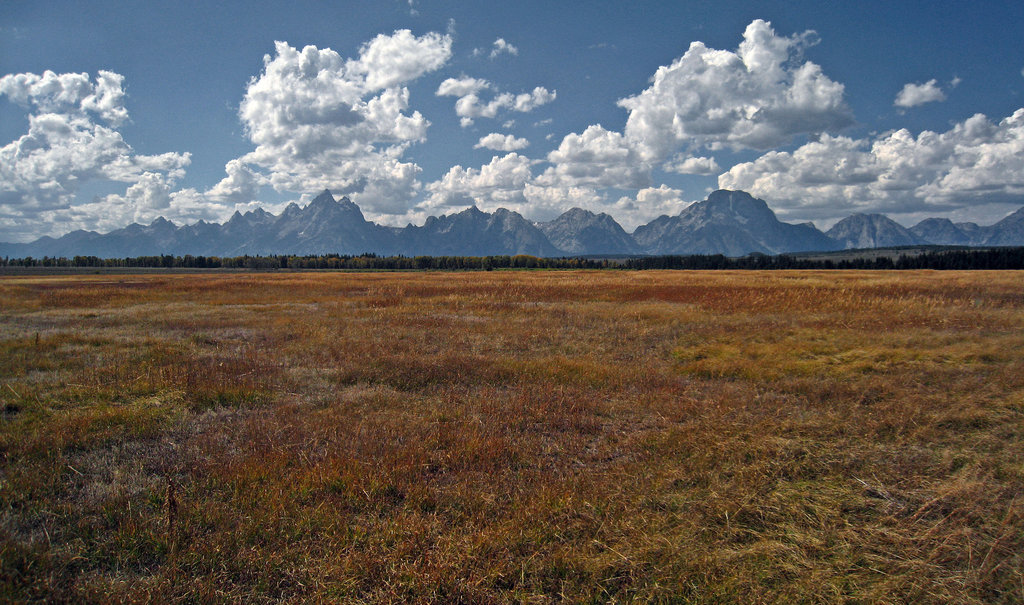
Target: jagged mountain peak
941, 231
576, 213
740, 203
325, 197
1014, 217
733, 223
871, 230
579, 231
1009, 231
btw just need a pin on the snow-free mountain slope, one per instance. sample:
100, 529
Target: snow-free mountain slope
872, 231
579, 231
732, 223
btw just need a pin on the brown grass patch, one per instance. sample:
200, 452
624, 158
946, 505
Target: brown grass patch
513, 437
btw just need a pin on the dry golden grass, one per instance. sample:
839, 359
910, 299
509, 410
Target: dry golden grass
513, 437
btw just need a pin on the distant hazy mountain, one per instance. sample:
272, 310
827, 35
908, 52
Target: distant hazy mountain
732, 223
580, 231
324, 226
945, 232
473, 232
872, 231
1007, 232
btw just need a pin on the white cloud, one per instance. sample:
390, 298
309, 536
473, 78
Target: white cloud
975, 163
387, 61
913, 95
460, 87
528, 101
320, 121
546, 202
499, 183
70, 93
501, 142
150, 197
596, 158
758, 97
144, 201
694, 165
648, 204
317, 120
241, 185
72, 139
501, 46
469, 106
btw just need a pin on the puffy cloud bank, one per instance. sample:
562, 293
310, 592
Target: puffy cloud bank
72, 139
975, 162
759, 96
319, 120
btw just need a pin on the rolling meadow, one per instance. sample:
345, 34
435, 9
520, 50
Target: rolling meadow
513, 436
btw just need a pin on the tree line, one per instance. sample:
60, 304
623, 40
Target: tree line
959, 259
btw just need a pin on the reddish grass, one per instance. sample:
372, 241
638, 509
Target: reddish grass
513, 437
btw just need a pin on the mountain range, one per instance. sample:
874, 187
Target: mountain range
732, 223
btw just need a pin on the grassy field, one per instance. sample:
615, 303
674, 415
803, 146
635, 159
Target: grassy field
513, 437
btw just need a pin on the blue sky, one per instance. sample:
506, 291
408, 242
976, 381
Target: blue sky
114, 112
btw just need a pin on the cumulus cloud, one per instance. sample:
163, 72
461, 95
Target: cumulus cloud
499, 47
321, 121
241, 185
596, 158
975, 163
461, 87
388, 61
758, 97
648, 204
913, 95
72, 139
693, 165
151, 197
469, 106
501, 142
499, 183
72, 93
547, 202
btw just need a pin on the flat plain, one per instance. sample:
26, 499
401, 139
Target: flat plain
513, 436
